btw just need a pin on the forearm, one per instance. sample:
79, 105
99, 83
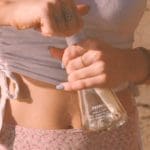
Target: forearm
141, 66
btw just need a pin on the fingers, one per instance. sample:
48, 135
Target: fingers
82, 48
72, 52
73, 61
91, 57
86, 72
67, 54
74, 64
70, 16
81, 76
53, 21
92, 82
62, 18
50, 17
59, 16
100, 69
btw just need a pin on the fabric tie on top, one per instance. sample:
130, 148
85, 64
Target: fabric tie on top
5, 93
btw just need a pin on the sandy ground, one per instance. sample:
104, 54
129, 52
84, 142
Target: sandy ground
142, 38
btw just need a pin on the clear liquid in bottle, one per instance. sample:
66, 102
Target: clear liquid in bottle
100, 110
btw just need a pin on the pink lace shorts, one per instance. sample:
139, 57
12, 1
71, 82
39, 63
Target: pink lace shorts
126, 137
20, 138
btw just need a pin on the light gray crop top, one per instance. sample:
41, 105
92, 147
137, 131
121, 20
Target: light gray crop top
26, 52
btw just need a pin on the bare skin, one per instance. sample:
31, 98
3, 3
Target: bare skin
95, 63
40, 105
48, 108
47, 16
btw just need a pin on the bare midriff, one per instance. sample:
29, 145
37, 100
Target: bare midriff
40, 105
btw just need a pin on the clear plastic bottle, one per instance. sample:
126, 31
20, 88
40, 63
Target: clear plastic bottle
100, 109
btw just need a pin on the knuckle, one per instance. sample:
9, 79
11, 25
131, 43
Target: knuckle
70, 64
75, 86
69, 51
102, 64
83, 84
93, 55
97, 55
69, 67
68, 70
101, 79
89, 83
100, 67
73, 51
69, 78
104, 78
72, 77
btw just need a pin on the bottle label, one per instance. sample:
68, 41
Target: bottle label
99, 112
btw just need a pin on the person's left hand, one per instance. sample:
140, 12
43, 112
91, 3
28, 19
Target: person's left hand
95, 64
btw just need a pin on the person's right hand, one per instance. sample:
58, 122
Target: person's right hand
51, 17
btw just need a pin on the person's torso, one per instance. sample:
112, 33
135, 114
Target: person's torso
26, 51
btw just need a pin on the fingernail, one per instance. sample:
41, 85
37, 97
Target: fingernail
59, 87
62, 66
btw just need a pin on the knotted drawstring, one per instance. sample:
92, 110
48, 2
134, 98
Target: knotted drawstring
5, 92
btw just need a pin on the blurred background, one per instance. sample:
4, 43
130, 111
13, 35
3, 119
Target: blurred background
142, 38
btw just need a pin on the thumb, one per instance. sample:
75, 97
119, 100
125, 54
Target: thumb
56, 52
83, 9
